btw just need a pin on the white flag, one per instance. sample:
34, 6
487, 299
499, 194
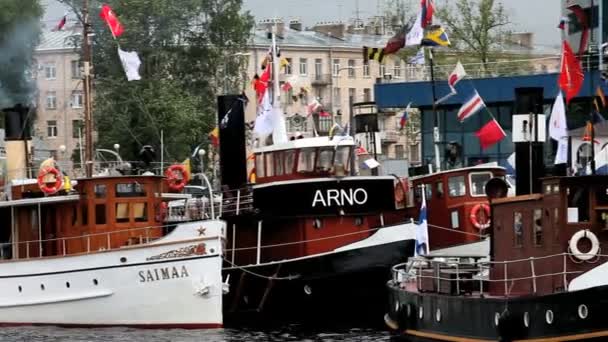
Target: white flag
561, 157
263, 122
130, 62
558, 126
456, 76
422, 230
414, 37
418, 58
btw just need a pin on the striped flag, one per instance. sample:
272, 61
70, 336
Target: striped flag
376, 54
418, 58
472, 106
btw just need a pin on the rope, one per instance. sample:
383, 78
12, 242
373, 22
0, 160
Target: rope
243, 268
457, 231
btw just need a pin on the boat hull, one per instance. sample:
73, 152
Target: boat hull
473, 319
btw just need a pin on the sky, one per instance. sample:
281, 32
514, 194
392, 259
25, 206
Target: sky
538, 16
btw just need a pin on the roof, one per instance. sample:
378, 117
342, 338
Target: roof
307, 142
312, 39
57, 40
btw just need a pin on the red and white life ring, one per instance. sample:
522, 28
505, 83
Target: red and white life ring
42, 184
476, 220
573, 244
177, 177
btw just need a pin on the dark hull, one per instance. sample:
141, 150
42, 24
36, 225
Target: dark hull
473, 318
336, 288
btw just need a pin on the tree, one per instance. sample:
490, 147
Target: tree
187, 50
19, 36
476, 25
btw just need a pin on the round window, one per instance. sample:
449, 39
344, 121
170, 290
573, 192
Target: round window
496, 318
549, 317
420, 312
583, 312
526, 319
438, 315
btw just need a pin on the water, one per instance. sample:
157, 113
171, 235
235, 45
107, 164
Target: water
288, 333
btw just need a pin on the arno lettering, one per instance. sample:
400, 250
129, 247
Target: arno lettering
339, 197
156, 274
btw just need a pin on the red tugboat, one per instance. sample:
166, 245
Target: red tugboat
547, 280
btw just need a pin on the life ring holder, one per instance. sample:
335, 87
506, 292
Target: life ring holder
49, 190
576, 253
475, 220
175, 182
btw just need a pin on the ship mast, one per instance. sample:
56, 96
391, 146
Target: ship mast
87, 61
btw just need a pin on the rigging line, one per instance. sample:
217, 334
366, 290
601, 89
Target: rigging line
144, 109
244, 269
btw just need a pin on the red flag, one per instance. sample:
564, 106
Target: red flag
571, 75
260, 84
581, 16
490, 134
107, 14
61, 24
427, 12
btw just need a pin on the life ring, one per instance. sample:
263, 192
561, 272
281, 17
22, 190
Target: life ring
177, 177
475, 220
42, 184
573, 244
400, 190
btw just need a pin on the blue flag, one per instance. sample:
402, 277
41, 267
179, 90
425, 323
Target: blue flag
422, 231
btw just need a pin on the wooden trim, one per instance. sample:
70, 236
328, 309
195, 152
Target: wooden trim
577, 337
441, 337
531, 197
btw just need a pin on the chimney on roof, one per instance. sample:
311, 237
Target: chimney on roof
335, 29
267, 25
295, 25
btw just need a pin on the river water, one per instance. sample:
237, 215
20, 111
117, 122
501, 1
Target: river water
287, 333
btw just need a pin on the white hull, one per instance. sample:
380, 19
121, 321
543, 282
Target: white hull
134, 286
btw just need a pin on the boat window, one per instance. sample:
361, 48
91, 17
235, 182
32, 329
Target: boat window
456, 186
269, 165
100, 214
455, 219
547, 189
578, 205
601, 196
325, 161
122, 212
84, 209
428, 191
306, 161
278, 163
133, 189
100, 190
74, 215
342, 160
289, 160
556, 225
538, 227
478, 182
259, 165
556, 188
439, 186
140, 212
518, 229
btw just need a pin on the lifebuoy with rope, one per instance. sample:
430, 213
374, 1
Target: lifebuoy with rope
573, 245
481, 220
42, 184
177, 177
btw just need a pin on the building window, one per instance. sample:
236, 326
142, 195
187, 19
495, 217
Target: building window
50, 71
303, 66
77, 99
318, 68
456, 186
51, 128
51, 100
381, 70
518, 229
335, 67
414, 153
397, 70
337, 97
399, 152
538, 227
351, 68
367, 95
76, 72
365, 70
77, 128
288, 70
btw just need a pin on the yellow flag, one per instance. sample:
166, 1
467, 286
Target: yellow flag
284, 62
186, 164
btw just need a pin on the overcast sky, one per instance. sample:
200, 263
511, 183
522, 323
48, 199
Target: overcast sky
538, 16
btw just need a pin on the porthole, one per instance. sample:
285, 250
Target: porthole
526, 319
123, 259
95, 282
438, 315
42, 288
67, 284
549, 316
420, 312
396, 306
409, 310
19, 288
317, 223
307, 289
583, 312
211, 250
496, 318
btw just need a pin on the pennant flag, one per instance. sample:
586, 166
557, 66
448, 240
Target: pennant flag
571, 75
472, 106
436, 36
130, 63
422, 230
558, 126
376, 54
581, 17
418, 58
61, 23
562, 23
490, 134
427, 12
107, 14
599, 92
414, 37
214, 136
456, 76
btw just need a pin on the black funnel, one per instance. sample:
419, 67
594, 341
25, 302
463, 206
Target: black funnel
17, 123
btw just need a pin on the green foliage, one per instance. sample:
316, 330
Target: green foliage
19, 36
187, 51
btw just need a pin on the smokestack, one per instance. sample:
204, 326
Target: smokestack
233, 158
17, 141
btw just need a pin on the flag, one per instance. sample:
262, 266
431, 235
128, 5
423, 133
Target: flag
427, 12
61, 23
581, 17
561, 157
558, 126
333, 128
472, 106
313, 107
214, 136
436, 36
599, 92
414, 37
490, 134
263, 122
511, 164
403, 120
418, 58
286, 86
283, 62
108, 15
371, 163
130, 63
324, 114
395, 43
376, 54
360, 150
571, 75
456, 76
422, 230
601, 161
562, 23
187, 168
260, 84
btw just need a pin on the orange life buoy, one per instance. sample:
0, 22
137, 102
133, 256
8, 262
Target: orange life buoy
477, 221
401, 189
177, 177
49, 190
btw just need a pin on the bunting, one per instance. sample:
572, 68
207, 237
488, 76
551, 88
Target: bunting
108, 15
